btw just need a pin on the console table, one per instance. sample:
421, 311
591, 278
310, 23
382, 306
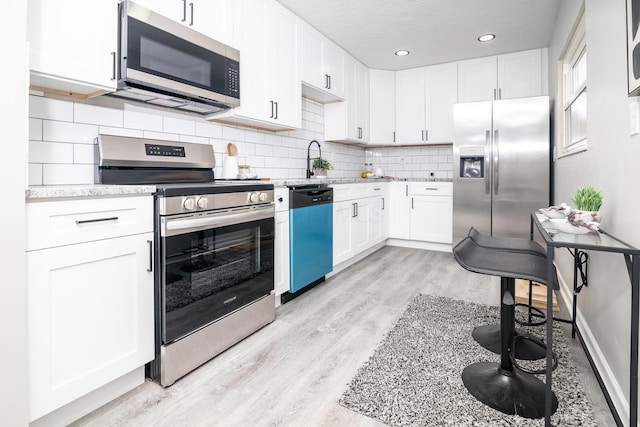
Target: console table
594, 241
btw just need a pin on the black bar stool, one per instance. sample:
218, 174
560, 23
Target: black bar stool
504, 386
488, 336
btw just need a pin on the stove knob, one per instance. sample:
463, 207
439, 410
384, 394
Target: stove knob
263, 197
253, 197
203, 203
189, 204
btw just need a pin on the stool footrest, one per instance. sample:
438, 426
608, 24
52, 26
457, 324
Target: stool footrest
534, 341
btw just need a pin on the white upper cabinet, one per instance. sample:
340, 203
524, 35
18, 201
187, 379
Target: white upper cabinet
322, 67
270, 94
424, 104
382, 107
213, 18
349, 121
72, 46
513, 75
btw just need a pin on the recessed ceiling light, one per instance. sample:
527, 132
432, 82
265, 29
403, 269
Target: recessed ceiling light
402, 53
486, 37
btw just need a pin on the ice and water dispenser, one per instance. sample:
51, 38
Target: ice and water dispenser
472, 162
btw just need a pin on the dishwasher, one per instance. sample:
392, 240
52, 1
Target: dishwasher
310, 237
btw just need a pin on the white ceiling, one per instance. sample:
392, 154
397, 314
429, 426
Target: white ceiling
434, 31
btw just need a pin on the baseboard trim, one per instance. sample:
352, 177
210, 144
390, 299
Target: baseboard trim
613, 392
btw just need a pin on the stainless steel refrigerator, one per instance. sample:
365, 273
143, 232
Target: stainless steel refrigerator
501, 164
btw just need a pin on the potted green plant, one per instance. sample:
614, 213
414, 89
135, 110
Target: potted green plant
587, 199
320, 167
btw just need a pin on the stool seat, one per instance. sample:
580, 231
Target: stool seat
507, 244
516, 265
502, 386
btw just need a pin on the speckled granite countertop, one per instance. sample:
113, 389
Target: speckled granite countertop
98, 190
86, 191
291, 182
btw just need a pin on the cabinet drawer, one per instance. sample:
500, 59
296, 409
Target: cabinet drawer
281, 197
57, 223
429, 188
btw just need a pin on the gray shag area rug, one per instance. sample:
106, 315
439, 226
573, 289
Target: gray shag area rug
414, 376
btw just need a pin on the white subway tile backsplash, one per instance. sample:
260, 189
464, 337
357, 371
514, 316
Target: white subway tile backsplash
194, 139
275, 155
161, 136
53, 174
50, 109
84, 154
210, 130
143, 121
97, 115
35, 129
50, 152
35, 174
231, 134
68, 132
179, 126
107, 130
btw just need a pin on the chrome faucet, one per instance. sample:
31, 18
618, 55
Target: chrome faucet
309, 171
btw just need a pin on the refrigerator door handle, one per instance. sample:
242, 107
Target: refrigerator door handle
487, 162
496, 170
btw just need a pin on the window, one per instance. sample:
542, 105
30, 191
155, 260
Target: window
573, 93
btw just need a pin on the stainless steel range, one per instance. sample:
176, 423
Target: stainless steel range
214, 246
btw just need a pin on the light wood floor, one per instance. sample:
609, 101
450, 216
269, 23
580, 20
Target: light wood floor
293, 371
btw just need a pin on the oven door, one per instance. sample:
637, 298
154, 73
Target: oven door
218, 264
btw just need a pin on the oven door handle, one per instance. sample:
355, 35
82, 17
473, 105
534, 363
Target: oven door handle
183, 225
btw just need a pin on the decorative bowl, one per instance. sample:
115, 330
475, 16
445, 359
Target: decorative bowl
563, 225
552, 213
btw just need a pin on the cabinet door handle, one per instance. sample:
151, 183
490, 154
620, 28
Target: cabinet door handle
394, 136
326, 81
191, 10
353, 210
357, 211
495, 95
426, 135
113, 72
276, 117
88, 221
329, 82
184, 10
383, 203
431, 188
271, 116
412, 203
499, 93
406, 190
422, 137
150, 243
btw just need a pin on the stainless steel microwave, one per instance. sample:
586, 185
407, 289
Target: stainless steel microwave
163, 62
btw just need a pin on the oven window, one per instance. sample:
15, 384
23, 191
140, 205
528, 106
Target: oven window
208, 274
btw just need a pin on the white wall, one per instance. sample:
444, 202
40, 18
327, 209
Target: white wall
13, 314
610, 165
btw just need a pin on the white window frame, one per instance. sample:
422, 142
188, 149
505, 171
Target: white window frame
575, 48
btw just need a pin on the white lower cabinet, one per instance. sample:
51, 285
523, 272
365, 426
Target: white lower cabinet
281, 245
400, 211
360, 219
422, 211
90, 302
431, 219
281, 269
